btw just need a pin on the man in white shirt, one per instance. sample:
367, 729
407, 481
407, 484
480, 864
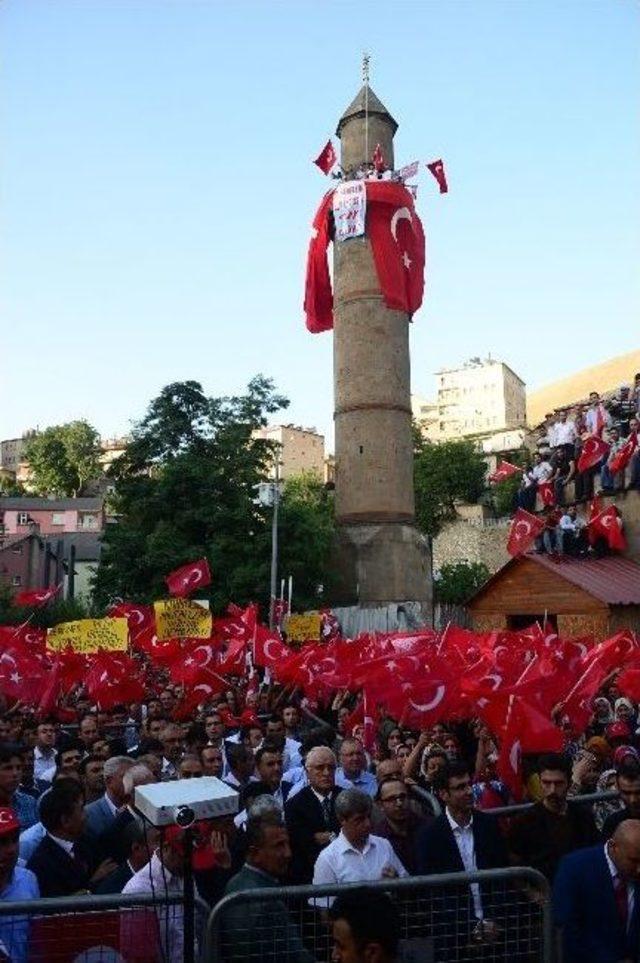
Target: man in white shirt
141, 929
44, 753
564, 433
570, 533
597, 417
355, 855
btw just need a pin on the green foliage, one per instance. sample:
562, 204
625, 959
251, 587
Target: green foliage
11, 488
186, 487
443, 474
458, 581
306, 531
63, 458
503, 494
60, 610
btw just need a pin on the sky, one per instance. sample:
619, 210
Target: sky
156, 190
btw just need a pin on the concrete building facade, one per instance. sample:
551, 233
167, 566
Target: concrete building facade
53, 516
301, 449
479, 397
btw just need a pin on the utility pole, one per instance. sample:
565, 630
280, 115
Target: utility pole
274, 542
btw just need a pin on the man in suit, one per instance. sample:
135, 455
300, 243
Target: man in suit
138, 843
99, 815
262, 930
63, 863
311, 814
269, 772
463, 840
596, 899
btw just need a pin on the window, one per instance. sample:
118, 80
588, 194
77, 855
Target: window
57, 518
88, 521
16, 580
23, 518
16, 549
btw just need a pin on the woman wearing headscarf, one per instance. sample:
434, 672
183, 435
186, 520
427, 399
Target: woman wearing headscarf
602, 810
602, 717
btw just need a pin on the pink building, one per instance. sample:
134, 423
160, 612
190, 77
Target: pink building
24, 564
53, 516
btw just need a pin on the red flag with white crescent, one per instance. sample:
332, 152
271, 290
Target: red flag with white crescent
524, 530
188, 578
504, 470
326, 159
437, 169
623, 455
546, 493
38, 597
594, 449
610, 526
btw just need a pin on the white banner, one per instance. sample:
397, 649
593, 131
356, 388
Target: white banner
349, 209
409, 171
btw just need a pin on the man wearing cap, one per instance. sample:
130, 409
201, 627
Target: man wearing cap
16, 883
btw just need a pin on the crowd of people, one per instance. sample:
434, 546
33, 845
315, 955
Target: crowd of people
314, 807
561, 438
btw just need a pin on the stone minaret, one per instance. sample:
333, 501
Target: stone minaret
381, 557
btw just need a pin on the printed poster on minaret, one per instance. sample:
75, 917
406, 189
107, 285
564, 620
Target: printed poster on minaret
349, 210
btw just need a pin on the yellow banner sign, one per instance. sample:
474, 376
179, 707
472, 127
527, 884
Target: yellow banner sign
89, 635
300, 628
181, 619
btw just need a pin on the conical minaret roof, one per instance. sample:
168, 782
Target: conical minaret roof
357, 109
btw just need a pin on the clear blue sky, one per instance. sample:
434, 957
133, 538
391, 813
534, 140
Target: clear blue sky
157, 190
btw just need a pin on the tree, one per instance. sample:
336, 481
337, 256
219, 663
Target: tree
503, 494
443, 474
63, 458
456, 582
186, 487
306, 530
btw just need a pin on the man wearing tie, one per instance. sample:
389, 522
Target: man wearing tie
596, 899
311, 815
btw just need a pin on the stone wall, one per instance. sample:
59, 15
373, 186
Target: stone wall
472, 540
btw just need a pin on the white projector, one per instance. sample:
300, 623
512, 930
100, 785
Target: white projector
185, 801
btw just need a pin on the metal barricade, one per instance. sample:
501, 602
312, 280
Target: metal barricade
99, 929
438, 920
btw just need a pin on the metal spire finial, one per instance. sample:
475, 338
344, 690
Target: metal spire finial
365, 68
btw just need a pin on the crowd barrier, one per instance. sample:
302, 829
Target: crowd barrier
438, 924
99, 929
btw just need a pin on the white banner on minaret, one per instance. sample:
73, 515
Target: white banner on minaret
349, 210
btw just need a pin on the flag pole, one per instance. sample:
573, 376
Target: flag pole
365, 80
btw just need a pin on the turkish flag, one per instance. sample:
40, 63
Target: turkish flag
609, 525
623, 456
504, 470
629, 684
318, 295
37, 598
437, 169
378, 159
268, 649
398, 244
326, 159
509, 763
21, 675
113, 679
594, 449
546, 493
140, 621
185, 580
524, 530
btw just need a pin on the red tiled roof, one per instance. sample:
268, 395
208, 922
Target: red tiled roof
612, 579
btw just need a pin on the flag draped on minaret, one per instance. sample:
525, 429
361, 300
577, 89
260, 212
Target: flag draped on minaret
397, 240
